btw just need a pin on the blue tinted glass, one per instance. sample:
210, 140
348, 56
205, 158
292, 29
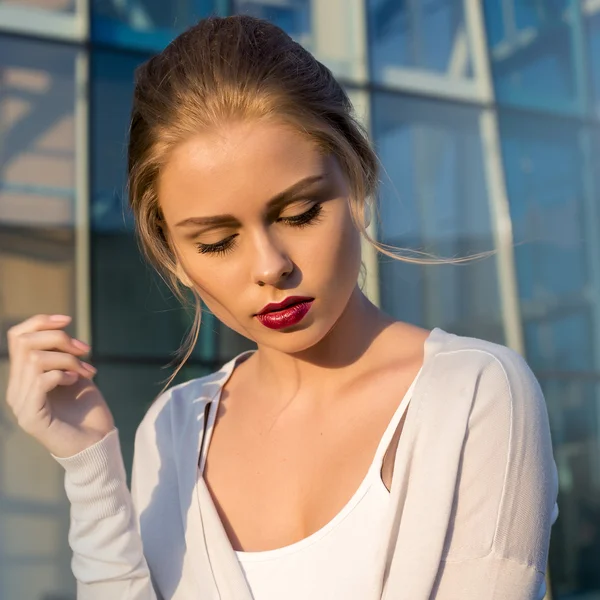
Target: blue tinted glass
531, 52
37, 180
434, 198
146, 24
575, 542
60, 6
545, 180
293, 16
112, 91
428, 35
593, 37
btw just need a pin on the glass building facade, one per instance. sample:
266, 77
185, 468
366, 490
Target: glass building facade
486, 117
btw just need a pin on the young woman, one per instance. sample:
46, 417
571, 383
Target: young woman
350, 456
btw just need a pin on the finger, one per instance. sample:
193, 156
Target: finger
37, 363
51, 379
38, 323
45, 360
16, 334
42, 340
51, 340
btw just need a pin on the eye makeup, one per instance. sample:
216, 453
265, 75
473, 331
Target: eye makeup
310, 217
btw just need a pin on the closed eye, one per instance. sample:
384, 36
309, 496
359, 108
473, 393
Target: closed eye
309, 217
219, 248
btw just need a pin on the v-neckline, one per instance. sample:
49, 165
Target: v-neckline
230, 581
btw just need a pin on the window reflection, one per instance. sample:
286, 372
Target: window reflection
543, 162
434, 199
36, 180
52, 5
145, 24
293, 16
429, 36
531, 52
592, 16
573, 405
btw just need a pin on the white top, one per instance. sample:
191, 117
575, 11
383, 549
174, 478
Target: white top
472, 499
340, 559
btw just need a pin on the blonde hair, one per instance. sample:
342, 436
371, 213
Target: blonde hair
238, 68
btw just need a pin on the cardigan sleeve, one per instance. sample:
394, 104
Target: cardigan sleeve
108, 559
497, 544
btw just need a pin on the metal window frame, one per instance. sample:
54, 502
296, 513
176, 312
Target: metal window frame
47, 24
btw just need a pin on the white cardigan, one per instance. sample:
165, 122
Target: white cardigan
474, 491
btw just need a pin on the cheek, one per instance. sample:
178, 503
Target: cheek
335, 259
215, 281
347, 243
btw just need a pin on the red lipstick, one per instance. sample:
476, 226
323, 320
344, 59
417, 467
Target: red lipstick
285, 314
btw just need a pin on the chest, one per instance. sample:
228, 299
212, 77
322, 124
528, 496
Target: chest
278, 478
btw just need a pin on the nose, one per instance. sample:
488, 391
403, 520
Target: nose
271, 263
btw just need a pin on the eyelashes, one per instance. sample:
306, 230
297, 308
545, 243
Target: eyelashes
310, 217
221, 247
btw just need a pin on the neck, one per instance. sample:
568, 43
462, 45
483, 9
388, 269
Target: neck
329, 363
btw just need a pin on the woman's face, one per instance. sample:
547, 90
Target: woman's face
258, 215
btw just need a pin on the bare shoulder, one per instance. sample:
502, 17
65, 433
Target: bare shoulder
403, 342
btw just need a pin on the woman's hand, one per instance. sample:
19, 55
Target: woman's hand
50, 389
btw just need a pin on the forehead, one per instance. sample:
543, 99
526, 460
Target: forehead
244, 163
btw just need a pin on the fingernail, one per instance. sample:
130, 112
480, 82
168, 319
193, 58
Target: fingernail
79, 344
59, 318
89, 367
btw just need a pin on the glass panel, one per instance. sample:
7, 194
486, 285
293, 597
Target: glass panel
53, 5
428, 35
574, 410
532, 54
434, 198
146, 24
35, 558
543, 164
37, 149
294, 16
592, 15
332, 30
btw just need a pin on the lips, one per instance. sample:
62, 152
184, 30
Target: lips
285, 314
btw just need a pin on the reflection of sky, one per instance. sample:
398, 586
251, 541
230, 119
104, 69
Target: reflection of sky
112, 74
403, 37
37, 137
433, 182
594, 54
293, 16
544, 180
531, 48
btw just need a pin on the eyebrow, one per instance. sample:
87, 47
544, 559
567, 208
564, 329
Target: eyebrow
279, 200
